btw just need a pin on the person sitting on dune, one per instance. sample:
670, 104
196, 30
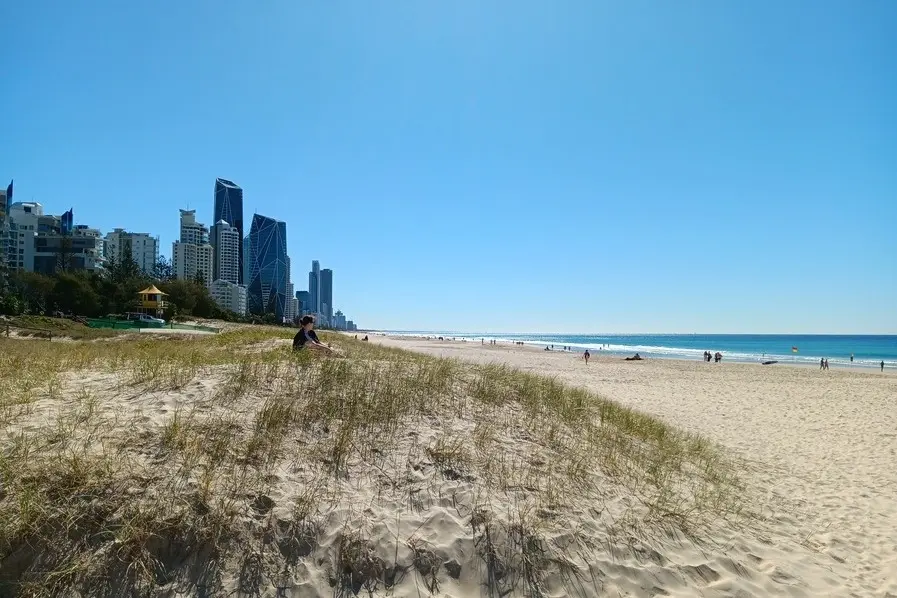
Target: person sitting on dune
306, 337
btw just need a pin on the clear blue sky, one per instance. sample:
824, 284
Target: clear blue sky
495, 166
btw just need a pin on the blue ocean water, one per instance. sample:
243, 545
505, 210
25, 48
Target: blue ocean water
868, 351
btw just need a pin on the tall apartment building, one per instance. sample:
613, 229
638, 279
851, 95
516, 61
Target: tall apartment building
5, 239
5, 201
227, 244
229, 207
294, 307
21, 229
192, 231
80, 248
144, 248
290, 311
192, 254
229, 295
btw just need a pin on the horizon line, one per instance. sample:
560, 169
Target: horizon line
480, 333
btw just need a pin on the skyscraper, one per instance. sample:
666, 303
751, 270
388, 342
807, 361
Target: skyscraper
192, 254
7, 245
191, 230
245, 269
229, 207
21, 231
290, 314
314, 288
8, 197
304, 298
143, 247
68, 222
269, 274
226, 243
5, 203
327, 294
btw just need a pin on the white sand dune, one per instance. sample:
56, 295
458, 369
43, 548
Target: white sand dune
193, 426
820, 449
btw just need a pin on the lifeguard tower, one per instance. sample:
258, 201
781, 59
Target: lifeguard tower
152, 301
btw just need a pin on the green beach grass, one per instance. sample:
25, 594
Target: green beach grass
215, 464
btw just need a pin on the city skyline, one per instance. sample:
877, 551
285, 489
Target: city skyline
200, 251
198, 233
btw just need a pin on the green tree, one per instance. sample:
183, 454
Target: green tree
190, 298
163, 270
65, 261
181, 293
123, 267
73, 293
34, 290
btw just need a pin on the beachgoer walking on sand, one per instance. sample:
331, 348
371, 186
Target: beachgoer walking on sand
821, 363
586, 356
826, 363
882, 365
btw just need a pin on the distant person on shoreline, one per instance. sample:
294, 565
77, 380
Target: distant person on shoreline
882, 365
821, 363
306, 337
851, 358
586, 356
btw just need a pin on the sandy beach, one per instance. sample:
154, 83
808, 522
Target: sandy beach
820, 449
228, 464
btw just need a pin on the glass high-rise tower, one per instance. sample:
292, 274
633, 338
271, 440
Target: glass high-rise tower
229, 207
327, 294
314, 288
269, 273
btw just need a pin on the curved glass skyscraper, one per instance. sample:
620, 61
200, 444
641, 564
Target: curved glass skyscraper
229, 207
268, 267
